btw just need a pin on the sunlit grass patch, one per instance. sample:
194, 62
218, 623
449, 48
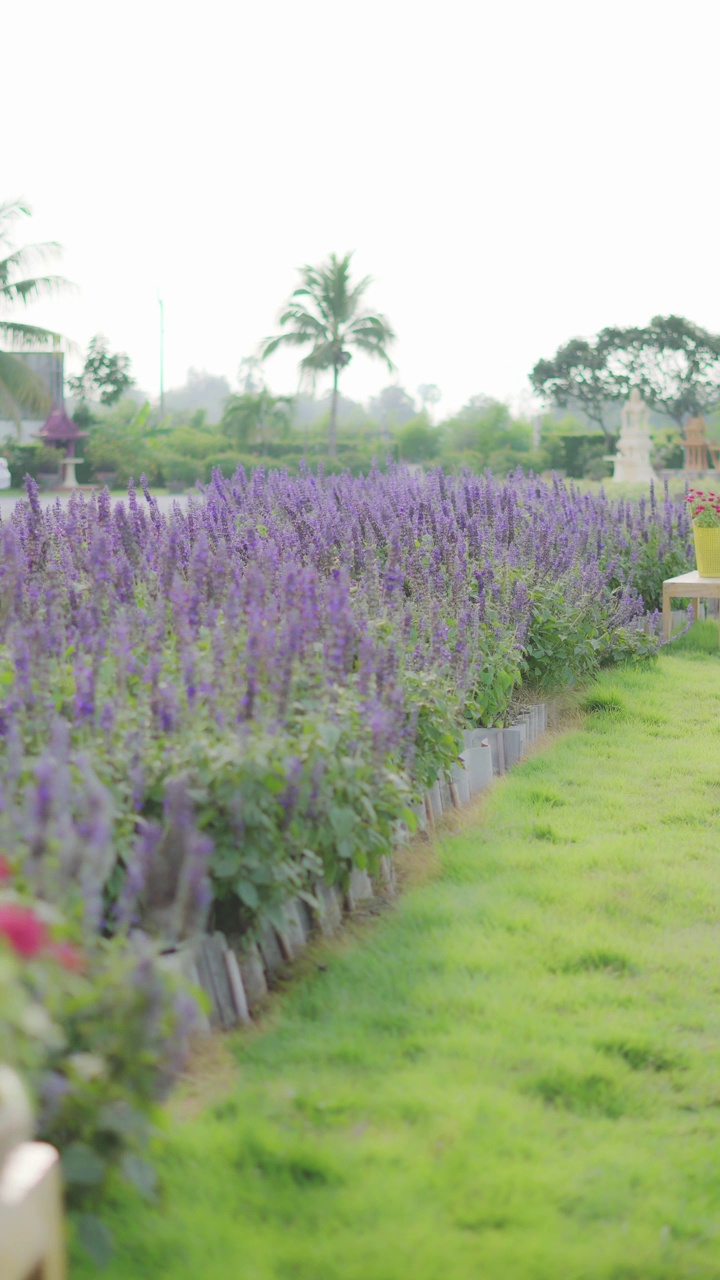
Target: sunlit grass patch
607, 701
514, 1073
701, 638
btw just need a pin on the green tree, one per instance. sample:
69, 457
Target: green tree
430, 394
255, 419
250, 375
393, 406
325, 313
674, 363
579, 377
105, 377
418, 441
202, 390
20, 387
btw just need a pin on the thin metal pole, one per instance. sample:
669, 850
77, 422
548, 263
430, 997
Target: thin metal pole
162, 358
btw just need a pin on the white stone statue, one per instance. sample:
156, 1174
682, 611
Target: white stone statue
4, 474
631, 462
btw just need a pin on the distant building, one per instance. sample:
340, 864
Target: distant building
50, 367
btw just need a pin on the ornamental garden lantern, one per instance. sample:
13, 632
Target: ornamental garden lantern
61, 433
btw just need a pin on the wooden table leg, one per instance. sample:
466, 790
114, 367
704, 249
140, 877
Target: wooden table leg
667, 615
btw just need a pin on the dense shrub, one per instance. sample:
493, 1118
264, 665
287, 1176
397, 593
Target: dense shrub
418, 441
29, 460
390, 610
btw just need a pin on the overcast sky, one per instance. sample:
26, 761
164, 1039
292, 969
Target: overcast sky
510, 174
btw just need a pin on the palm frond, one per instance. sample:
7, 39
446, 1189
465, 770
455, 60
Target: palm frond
28, 290
375, 349
322, 356
19, 260
11, 211
27, 335
367, 325
9, 407
303, 319
25, 388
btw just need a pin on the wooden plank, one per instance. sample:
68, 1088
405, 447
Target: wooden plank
31, 1214
666, 613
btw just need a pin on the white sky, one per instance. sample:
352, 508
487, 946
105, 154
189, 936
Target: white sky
511, 174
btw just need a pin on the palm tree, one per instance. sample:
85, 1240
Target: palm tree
20, 387
252, 419
325, 314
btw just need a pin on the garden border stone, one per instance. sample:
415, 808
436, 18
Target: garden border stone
290, 935
434, 802
359, 888
329, 912
497, 745
461, 781
215, 979
237, 988
513, 744
270, 952
253, 975
306, 917
479, 766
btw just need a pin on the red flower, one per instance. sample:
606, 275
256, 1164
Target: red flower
5, 871
26, 934
68, 956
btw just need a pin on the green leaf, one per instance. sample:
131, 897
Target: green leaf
140, 1174
82, 1166
247, 893
124, 1120
342, 821
95, 1238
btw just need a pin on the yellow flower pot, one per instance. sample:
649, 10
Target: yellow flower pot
707, 552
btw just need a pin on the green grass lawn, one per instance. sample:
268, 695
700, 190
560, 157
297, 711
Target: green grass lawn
515, 1073
621, 489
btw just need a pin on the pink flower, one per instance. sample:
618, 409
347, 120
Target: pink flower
5, 871
26, 934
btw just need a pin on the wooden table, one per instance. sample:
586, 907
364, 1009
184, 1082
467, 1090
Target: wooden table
687, 584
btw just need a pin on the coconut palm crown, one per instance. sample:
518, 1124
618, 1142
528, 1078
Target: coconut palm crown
325, 313
20, 387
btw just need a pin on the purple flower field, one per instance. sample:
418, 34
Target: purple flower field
266, 679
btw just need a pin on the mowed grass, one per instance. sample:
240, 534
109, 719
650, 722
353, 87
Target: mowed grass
515, 1073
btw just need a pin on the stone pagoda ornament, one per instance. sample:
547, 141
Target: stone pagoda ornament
62, 434
631, 461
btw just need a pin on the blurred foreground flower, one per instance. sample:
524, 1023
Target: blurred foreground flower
27, 935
